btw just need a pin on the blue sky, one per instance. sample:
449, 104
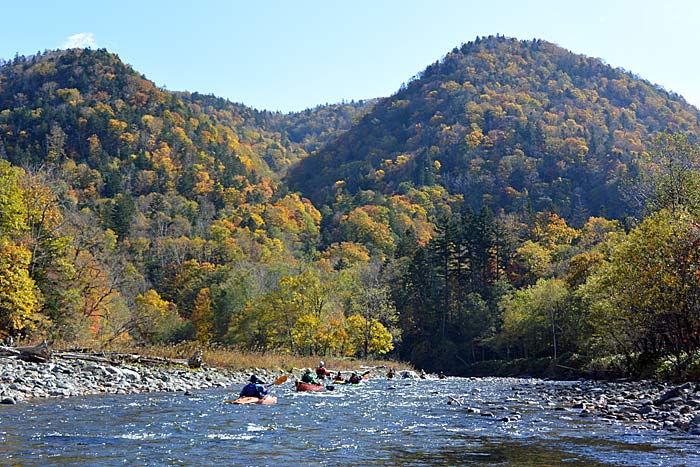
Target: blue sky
296, 54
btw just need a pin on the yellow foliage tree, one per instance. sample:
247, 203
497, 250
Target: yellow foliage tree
202, 316
11, 197
332, 336
346, 253
150, 314
552, 230
305, 330
371, 335
369, 225
535, 258
17, 297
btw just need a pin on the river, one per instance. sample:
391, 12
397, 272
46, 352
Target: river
380, 423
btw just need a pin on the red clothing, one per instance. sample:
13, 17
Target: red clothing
321, 372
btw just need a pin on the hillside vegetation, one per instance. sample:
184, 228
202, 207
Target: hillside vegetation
508, 124
512, 201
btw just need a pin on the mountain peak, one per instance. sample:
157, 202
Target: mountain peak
505, 123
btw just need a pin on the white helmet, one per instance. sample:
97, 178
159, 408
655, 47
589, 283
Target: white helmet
320, 364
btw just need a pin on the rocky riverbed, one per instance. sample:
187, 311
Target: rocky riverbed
20, 380
642, 404
638, 404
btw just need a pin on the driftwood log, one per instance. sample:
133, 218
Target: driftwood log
8, 351
40, 353
117, 358
82, 356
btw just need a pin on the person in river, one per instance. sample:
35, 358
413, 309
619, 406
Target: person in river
338, 376
321, 371
254, 389
354, 378
307, 377
441, 375
390, 374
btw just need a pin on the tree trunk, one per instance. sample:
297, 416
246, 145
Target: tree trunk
39, 353
554, 333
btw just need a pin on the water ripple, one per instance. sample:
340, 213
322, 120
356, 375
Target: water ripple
403, 423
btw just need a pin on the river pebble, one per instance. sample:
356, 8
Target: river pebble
648, 404
20, 380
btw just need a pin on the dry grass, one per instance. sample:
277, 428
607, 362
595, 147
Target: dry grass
238, 360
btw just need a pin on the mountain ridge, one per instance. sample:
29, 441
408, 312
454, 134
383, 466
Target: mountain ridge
499, 101
64, 86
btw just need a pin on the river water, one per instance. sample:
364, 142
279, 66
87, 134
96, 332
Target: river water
380, 423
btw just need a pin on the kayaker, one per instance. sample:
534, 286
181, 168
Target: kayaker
338, 376
307, 377
441, 375
321, 371
390, 374
254, 389
354, 378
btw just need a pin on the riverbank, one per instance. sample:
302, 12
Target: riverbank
71, 375
563, 368
20, 380
642, 404
645, 405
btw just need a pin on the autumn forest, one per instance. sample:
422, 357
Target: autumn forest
513, 202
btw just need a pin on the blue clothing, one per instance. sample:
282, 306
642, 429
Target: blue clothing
253, 390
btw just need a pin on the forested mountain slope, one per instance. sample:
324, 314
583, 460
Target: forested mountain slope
507, 124
149, 188
87, 105
473, 215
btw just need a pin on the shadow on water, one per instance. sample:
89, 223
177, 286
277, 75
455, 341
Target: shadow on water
490, 453
527, 454
402, 423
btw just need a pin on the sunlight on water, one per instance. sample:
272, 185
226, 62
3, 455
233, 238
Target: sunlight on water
229, 437
503, 422
252, 427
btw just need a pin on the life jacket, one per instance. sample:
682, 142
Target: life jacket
307, 378
252, 390
355, 379
321, 372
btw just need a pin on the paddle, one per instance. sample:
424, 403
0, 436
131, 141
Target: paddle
277, 382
